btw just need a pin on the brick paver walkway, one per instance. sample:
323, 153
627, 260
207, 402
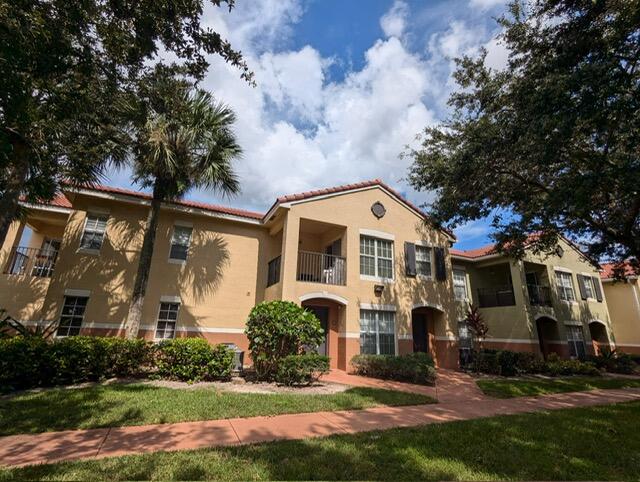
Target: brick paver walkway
77, 444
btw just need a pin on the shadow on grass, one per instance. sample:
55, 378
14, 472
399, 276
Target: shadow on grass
588, 443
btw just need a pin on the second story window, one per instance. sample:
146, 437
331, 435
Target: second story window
167, 319
180, 242
423, 261
564, 283
460, 284
94, 228
376, 257
72, 315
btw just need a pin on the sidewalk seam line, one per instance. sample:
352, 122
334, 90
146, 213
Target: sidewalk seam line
234, 430
332, 423
103, 442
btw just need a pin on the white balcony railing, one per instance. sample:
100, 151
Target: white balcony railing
321, 268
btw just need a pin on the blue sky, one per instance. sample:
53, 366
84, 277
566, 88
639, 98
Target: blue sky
342, 88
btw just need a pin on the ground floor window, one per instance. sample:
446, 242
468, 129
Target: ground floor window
575, 337
72, 315
167, 318
377, 332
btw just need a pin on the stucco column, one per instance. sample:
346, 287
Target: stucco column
14, 234
289, 260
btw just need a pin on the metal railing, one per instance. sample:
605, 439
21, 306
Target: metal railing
321, 268
539, 295
273, 271
31, 261
500, 296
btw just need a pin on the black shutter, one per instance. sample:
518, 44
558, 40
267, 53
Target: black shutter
583, 289
596, 285
410, 258
441, 271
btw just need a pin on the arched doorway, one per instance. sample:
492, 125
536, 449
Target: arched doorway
330, 311
424, 320
599, 336
548, 335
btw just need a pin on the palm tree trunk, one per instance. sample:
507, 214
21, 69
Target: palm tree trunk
10, 200
134, 317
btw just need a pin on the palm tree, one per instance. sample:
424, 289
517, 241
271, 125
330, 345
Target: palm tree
184, 142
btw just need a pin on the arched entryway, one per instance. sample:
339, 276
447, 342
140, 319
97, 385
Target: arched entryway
424, 321
330, 310
599, 336
548, 336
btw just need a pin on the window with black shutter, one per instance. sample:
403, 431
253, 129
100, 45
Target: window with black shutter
410, 258
441, 271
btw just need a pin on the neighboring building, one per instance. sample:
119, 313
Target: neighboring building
623, 297
360, 256
538, 304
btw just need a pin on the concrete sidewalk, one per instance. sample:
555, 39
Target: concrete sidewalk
77, 444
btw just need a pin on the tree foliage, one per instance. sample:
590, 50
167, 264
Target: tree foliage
64, 67
550, 144
182, 139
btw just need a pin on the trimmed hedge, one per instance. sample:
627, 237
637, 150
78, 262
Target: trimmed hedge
27, 362
301, 369
193, 359
412, 368
615, 362
510, 363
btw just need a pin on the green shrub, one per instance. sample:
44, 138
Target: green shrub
556, 366
27, 362
412, 368
486, 361
277, 329
22, 362
193, 359
615, 362
301, 369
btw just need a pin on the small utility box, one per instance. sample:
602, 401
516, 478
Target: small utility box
238, 357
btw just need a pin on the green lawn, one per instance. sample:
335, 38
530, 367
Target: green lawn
504, 388
137, 404
601, 443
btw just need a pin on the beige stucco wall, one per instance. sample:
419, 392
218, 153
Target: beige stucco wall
353, 213
623, 299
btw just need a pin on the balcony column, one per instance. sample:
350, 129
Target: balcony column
14, 234
289, 260
519, 283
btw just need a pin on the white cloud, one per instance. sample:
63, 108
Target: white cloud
299, 129
393, 22
486, 4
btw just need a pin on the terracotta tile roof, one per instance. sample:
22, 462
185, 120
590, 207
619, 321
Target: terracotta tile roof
350, 187
608, 270
193, 204
474, 253
60, 201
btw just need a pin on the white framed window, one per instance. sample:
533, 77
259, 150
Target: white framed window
460, 284
180, 241
377, 332
95, 225
423, 261
575, 337
73, 308
564, 282
167, 319
589, 290
376, 257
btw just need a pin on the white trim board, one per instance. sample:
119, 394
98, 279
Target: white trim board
374, 233
377, 307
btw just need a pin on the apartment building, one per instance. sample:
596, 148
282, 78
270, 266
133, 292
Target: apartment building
623, 297
360, 256
542, 303
379, 278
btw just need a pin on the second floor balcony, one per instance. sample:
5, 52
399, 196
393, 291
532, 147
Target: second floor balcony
498, 296
321, 268
539, 295
38, 262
